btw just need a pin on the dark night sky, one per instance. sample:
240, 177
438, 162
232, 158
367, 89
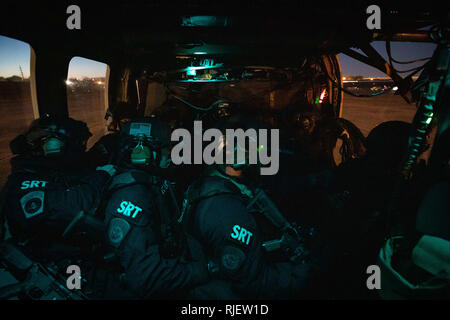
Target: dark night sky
14, 53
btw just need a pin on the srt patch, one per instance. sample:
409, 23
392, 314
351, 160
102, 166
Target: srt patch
118, 229
32, 203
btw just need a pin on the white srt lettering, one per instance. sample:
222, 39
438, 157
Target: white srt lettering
127, 207
240, 233
33, 184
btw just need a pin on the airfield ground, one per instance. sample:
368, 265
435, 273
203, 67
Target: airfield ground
367, 113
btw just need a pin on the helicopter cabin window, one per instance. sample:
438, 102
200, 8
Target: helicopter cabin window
86, 83
384, 103
16, 106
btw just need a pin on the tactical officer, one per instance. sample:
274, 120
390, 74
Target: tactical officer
421, 254
355, 200
106, 148
49, 198
254, 252
140, 217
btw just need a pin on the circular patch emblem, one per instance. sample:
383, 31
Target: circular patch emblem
118, 229
230, 261
116, 234
33, 205
232, 258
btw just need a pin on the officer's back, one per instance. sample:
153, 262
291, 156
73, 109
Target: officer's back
48, 186
49, 199
219, 214
139, 218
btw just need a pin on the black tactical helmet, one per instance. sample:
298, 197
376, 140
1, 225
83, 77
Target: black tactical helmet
142, 140
50, 135
388, 141
245, 122
121, 113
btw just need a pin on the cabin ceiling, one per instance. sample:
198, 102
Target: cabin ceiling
256, 32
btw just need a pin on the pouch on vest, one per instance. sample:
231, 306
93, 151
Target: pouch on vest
195, 193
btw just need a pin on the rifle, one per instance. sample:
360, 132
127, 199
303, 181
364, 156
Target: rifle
293, 239
171, 231
35, 281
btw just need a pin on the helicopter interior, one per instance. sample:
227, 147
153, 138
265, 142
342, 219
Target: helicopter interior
275, 60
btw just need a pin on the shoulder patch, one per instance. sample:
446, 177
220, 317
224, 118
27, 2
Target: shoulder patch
32, 203
117, 231
232, 258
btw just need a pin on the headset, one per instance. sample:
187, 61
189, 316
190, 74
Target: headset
244, 122
143, 140
52, 136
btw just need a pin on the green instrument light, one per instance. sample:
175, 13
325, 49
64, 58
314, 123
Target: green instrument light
430, 118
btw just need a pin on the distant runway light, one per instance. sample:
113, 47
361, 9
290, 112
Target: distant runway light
322, 95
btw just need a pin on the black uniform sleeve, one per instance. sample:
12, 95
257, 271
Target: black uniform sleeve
44, 206
147, 272
103, 151
230, 234
63, 203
